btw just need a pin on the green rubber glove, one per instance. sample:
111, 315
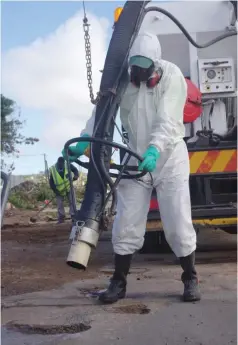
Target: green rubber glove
150, 156
77, 150
72, 157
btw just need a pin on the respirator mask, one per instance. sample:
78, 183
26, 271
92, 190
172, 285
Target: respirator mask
139, 75
142, 70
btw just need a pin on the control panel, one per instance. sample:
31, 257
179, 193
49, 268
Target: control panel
216, 75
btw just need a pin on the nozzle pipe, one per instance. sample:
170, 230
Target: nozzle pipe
84, 240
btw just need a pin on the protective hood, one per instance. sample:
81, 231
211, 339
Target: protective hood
146, 45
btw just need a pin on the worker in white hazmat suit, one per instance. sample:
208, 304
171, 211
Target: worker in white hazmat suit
151, 112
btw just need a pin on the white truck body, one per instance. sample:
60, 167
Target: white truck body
204, 20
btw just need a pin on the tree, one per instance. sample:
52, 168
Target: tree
11, 126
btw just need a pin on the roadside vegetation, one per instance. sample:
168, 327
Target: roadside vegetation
31, 195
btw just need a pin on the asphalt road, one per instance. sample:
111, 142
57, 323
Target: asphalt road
151, 314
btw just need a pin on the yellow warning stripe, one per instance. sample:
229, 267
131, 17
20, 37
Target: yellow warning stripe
222, 160
156, 225
196, 160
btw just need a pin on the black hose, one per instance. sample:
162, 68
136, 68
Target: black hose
113, 110
116, 62
103, 142
118, 167
66, 148
112, 166
113, 189
185, 32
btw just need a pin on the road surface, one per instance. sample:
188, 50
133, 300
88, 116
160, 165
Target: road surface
46, 302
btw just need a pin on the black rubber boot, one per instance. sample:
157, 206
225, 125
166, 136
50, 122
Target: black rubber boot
117, 286
189, 278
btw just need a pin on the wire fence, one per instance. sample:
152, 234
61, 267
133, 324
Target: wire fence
26, 167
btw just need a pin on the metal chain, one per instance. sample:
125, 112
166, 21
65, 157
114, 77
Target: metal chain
88, 57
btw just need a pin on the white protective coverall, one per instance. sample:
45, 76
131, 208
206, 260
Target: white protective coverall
154, 116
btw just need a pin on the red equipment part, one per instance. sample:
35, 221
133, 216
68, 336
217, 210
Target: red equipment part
193, 106
154, 204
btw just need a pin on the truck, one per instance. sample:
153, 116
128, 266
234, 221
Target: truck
211, 138
210, 117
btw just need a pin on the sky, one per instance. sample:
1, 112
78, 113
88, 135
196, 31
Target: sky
43, 70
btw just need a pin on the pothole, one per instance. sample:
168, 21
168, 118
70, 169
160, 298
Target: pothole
46, 329
132, 309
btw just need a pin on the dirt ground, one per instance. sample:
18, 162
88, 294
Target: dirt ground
34, 255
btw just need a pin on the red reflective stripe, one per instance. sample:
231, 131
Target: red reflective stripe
232, 164
208, 161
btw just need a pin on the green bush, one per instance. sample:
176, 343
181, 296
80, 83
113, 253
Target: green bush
43, 192
25, 197
19, 200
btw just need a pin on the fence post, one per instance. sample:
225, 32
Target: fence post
5, 192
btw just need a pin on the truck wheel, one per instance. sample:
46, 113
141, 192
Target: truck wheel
155, 242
